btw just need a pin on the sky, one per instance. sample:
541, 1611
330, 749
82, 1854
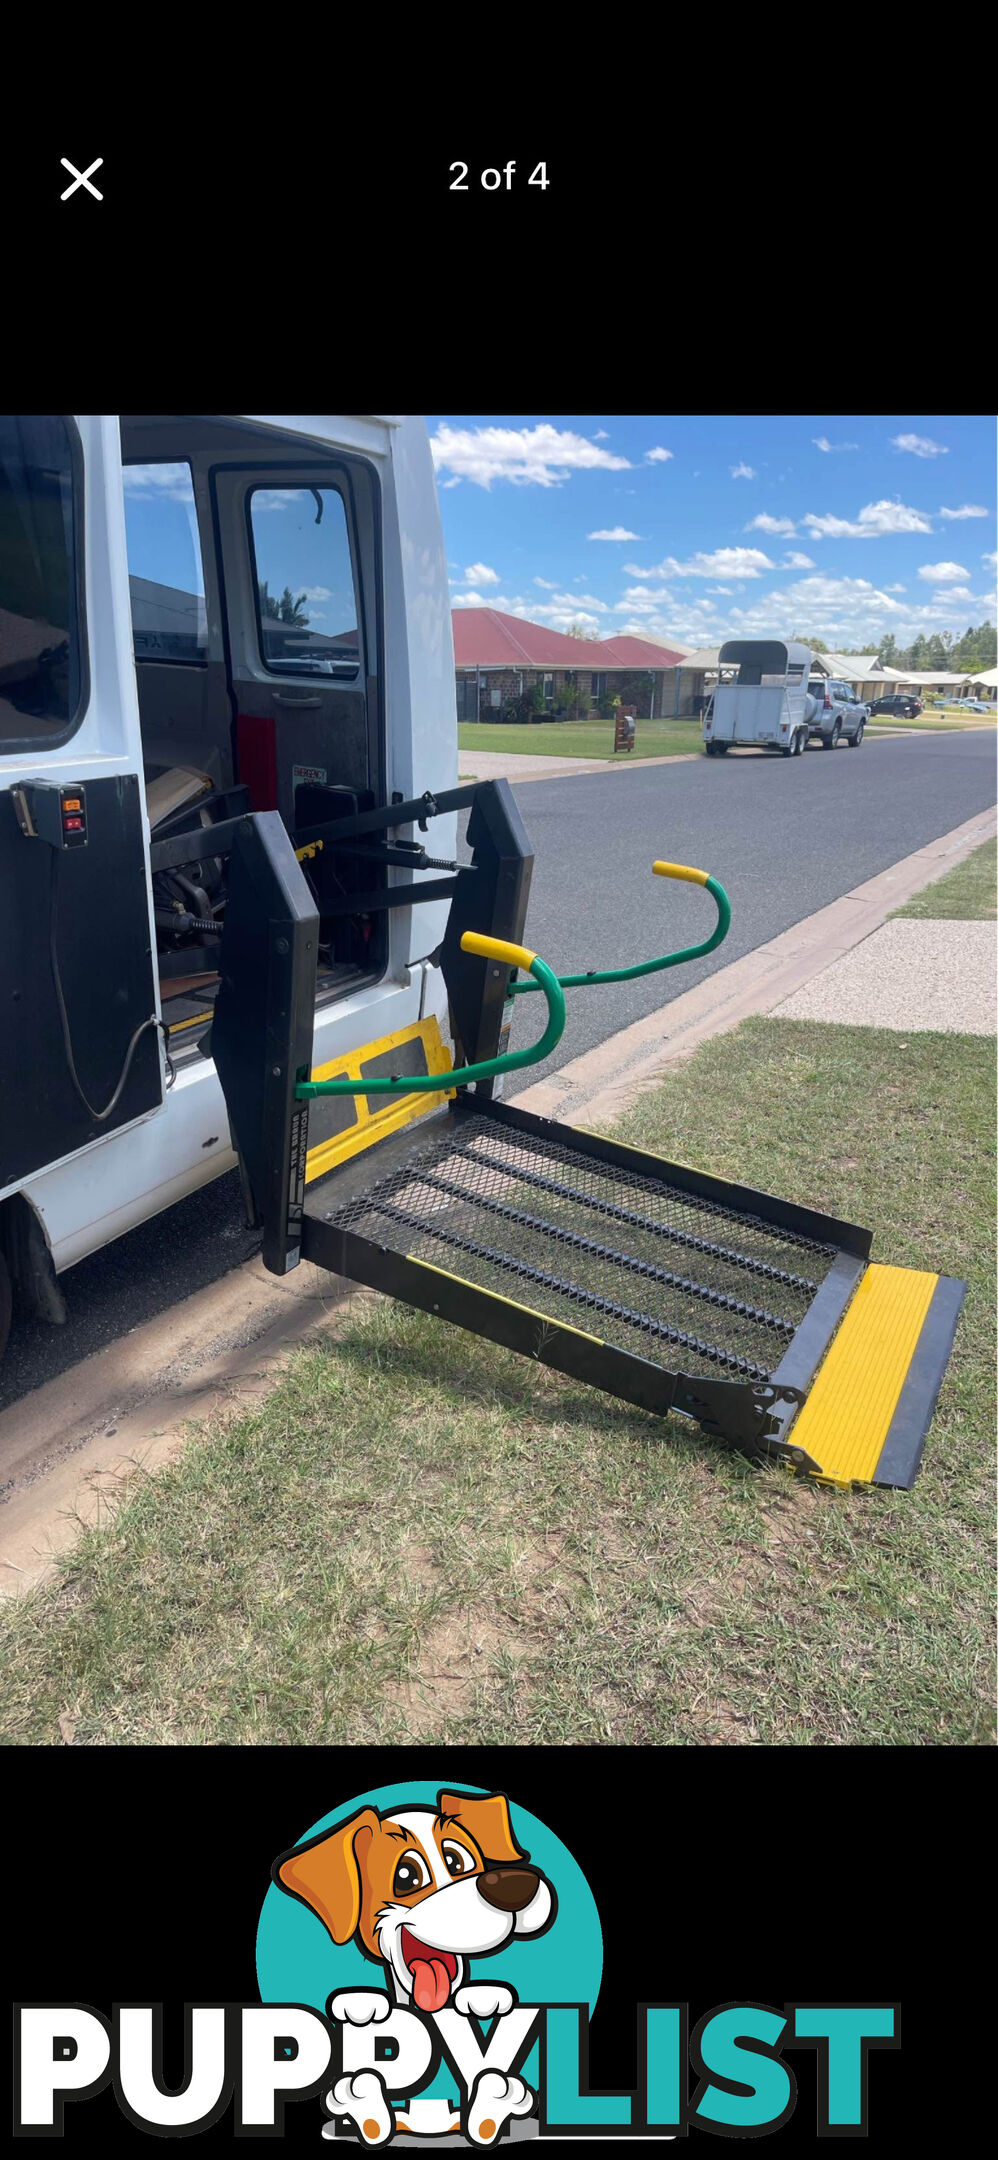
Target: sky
702, 528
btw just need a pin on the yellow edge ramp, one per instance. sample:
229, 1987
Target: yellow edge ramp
850, 1409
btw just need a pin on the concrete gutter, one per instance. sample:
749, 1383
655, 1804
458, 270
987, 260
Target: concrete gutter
599, 1086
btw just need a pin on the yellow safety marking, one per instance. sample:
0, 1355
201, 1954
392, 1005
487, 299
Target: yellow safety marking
531, 1311
848, 1413
680, 870
305, 854
195, 1020
398, 1110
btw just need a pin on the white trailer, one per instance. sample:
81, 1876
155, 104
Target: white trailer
766, 705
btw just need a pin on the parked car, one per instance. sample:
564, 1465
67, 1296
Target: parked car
902, 707
834, 711
973, 704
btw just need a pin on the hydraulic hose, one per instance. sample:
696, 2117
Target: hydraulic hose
651, 967
486, 948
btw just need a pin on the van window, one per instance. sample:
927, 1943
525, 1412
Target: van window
306, 597
41, 606
165, 575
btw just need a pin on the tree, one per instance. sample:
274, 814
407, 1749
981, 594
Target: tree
577, 630
887, 650
287, 609
814, 644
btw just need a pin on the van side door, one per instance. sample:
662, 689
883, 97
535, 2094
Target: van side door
80, 1050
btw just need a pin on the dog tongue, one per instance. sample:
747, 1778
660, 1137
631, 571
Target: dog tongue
430, 1983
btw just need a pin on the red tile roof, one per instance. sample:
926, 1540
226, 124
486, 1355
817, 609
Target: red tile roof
485, 638
637, 652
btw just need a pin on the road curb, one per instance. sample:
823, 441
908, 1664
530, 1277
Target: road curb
603, 1083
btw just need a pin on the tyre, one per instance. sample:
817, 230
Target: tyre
830, 742
722, 748
855, 740
789, 749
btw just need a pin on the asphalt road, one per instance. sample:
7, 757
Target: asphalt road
785, 837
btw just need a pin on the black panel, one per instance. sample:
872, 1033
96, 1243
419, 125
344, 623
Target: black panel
103, 947
261, 1034
495, 903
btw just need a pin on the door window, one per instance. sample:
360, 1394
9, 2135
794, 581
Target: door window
41, 580
306, 592
165, 575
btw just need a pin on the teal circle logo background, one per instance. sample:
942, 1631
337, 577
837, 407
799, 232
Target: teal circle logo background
298, 1962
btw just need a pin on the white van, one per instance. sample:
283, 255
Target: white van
765, 705
200, 615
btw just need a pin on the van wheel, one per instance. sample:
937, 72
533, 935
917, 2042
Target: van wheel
830, 742
5, 1304
721, 749
855, 740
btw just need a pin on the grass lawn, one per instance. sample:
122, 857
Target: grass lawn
966, 894
419, 1536
582, 738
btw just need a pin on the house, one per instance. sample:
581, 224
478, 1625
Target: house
498, 657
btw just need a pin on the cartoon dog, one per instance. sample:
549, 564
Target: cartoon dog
422, 1890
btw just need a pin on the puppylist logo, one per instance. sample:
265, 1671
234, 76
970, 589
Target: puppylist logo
428, 1962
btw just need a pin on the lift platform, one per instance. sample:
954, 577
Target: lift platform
763, 1321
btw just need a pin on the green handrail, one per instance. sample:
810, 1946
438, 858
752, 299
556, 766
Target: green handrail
651, 967
487, 948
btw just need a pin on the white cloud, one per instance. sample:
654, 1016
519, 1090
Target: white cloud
717, 589
549, 584
724, 562
992, 559
479, 573
943, 573
966, 510
601, 435
615, 532
874, 519
895, 588
474, 599
743, 472
821, 442
919, 445
767, 524
165, 483
318, 592
542, 456
658, 456
796, 561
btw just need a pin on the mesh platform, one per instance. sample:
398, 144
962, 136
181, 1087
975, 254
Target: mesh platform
676, 1278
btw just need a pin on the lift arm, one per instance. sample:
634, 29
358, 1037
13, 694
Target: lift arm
652, 967
485, 948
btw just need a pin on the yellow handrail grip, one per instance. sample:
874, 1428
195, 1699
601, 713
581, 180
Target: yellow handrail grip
680, 870
491, 948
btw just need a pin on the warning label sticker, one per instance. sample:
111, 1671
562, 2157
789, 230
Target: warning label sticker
308, 776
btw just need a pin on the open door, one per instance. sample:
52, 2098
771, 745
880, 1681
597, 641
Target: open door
80, 1053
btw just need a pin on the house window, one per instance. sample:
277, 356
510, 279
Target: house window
548, 689
598, 687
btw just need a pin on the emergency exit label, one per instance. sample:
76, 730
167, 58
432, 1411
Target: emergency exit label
308, 776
